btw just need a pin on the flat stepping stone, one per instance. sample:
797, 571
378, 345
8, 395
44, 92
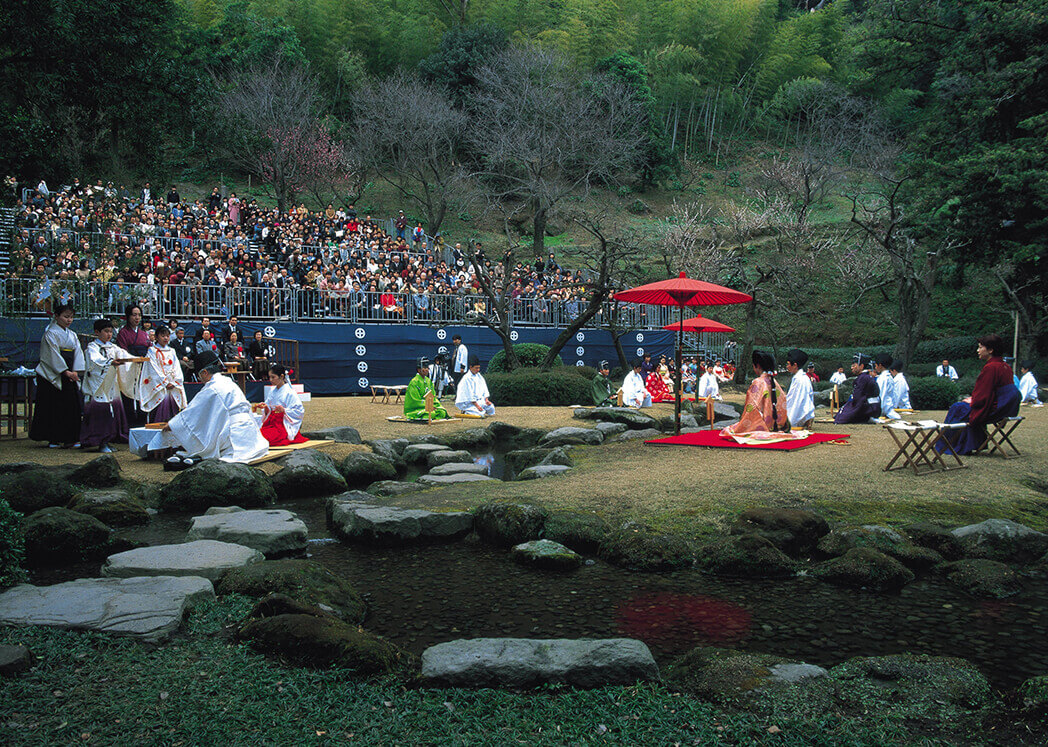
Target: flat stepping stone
271, 532
542, 470
148, 608
392, 524
388, 488
436, 458
570, 435
646, 435
547, 554
206, 558
521, 662
451, 479
419, 452
459, 468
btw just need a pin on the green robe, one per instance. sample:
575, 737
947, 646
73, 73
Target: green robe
415, 400
601, 390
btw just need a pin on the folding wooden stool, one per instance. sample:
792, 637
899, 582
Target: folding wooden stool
917, 441
998, 437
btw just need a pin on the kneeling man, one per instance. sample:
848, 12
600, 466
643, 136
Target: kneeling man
472, 396
217, 424
415, 396
634, 392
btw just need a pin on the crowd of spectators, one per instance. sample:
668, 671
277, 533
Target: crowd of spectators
227, 254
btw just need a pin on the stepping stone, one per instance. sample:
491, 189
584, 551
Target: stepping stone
547, 554
392, 524
389, 488
148, 608
206, 558
646, 434
569, 435
627, 416
451, 479
458, 468
521, 662
436, 458
542, 470
611, 429
271, 532
14, 660
418, 452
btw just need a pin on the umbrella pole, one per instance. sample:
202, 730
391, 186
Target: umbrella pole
680, 362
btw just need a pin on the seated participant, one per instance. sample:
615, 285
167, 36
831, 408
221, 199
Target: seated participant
994, 398
602, 395
282, 412
885, 386
838, 377
656, 386
902, 387
946, 371
217, 424
864, 404
233, 351
765, 408
708, 385
104, 418
258, 356
634, 392
160, 390
415, 395
472, 396
1028, 385
688, 376
811, 373
800, 399
184, 349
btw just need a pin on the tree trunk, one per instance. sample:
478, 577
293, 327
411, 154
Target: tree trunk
742, 367
539, 234
915, 298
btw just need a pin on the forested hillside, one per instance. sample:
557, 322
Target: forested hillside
871, 171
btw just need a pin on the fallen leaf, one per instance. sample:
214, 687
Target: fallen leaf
774, 729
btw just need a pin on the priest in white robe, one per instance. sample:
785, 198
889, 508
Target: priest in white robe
161, 391
1028, 385
886, 386
634, 391
218, 423
708, 385
902, 387
800, 398
472, 396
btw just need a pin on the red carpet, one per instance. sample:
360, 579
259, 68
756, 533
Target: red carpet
715, 440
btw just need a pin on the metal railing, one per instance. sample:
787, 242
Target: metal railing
24, 297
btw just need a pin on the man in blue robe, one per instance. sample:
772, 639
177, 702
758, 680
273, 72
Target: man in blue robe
865, 401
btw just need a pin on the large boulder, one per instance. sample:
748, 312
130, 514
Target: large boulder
58, 535
1034, 693
112, 506
507, 524
795, 531
668, 423
569, 436
436, 458
935, 537
542, 470
390, 448
343, 434
33, 489
983, 578
362, 468
864, 568
726, 676
641, 548
611, 429
270, 531
213, 482
520, 663
148, 608
359, 522
880, 538
645, 434
205, 558
624, 415
304, 580
546, 554
510, 437
469, 438
320, 640
1002, 540
101, 472
15, 660
307, 473
519, 460
393, 488
580, 532
746, 556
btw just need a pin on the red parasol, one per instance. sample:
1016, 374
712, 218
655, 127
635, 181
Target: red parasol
680, 292
699, 324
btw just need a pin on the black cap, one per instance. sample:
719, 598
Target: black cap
207, 361
422, 362
474, 361
602, 365
862, 359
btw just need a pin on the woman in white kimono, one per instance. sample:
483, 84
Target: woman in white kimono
282, 412
160, 389
217, 424
56, 414
104, 418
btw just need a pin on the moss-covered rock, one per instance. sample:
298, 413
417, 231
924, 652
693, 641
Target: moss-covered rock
113, 507
1003, 540
101, 472
546, 554
470, 438
721, 675
213, 482
58, 535
360, 469
795, 531
880, 538
33, 489
307, 473
391, 449
508, 437
303, 580
863, 567
641, 548
935, 537
747, 556
506, 524
519, 460
983, 578
581, 532
1034, 693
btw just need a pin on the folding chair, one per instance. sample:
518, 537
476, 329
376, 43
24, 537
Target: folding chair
917, 441
998, 437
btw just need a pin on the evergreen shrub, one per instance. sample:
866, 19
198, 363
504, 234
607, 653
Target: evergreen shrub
933, 393
533, 386
12, 546
530, 355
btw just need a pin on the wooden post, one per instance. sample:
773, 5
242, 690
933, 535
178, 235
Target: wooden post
709, 411
429, 406
835, 402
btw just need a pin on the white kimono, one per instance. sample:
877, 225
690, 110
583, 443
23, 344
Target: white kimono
838, 378
886, 386
293, 409
902, 392
217, 424
161, 368
634, 393
708, 386
52, 365
800, 400
1028, 388
472, 390
100, 383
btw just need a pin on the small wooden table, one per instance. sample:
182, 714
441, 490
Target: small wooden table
917, 441
16, 403
385, 391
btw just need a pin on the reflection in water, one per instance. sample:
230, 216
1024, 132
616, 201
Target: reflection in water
487, 461
676, 619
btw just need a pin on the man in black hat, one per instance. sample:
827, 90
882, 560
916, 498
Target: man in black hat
415, 396
472, 396
217, 423
602, 393
865, 401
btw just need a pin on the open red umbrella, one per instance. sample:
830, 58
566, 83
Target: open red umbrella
680, 292
699, 324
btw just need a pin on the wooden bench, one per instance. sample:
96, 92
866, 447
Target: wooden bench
998, 438
385, 391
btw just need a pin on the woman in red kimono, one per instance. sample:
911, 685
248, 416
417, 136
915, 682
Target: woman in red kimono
657, 387
282, 412
994, 398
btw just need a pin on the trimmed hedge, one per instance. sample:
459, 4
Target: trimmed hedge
533, 386
955, 349
12, 546
933, 393
530, 355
